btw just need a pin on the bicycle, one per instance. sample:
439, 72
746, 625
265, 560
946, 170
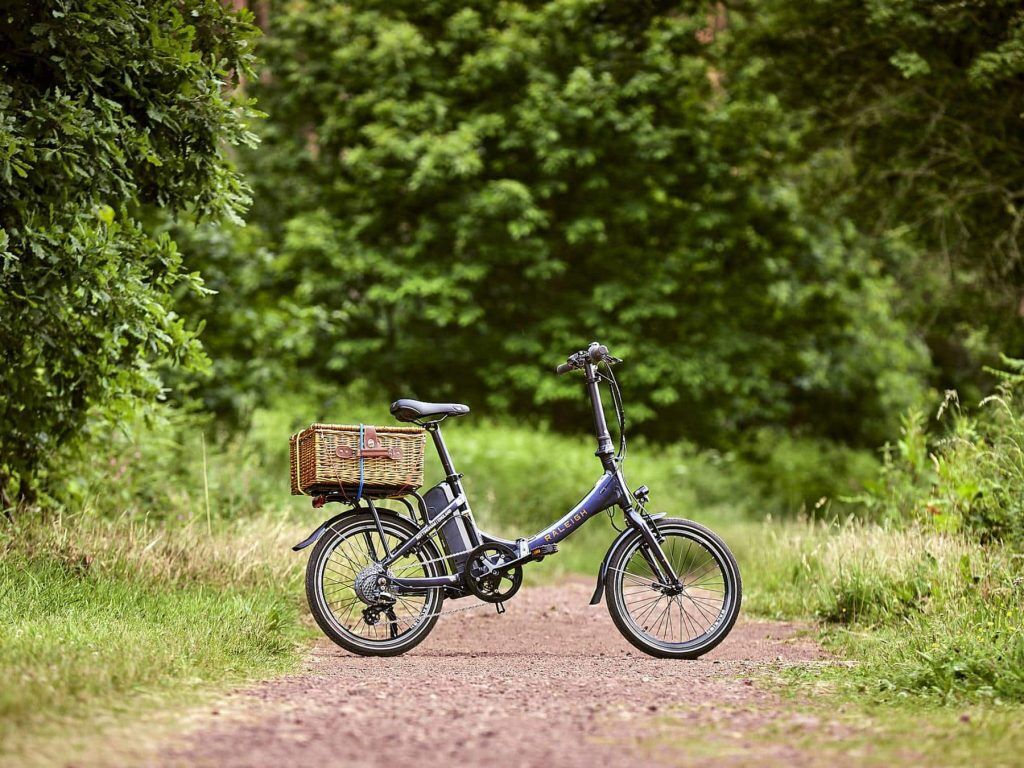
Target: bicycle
376, 578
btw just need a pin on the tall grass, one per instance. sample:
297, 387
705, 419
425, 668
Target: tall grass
927, 613
98, 613
962, 471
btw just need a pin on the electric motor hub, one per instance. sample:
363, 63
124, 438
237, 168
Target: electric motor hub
371, 583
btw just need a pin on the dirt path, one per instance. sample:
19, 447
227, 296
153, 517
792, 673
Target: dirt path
550, 683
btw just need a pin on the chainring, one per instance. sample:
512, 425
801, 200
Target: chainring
497, 585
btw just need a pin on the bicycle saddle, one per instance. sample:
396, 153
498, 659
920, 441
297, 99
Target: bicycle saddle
411, 410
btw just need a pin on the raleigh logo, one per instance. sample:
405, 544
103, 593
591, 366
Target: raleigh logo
567, 525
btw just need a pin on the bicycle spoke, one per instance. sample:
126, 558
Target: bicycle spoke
353, 552
676, 619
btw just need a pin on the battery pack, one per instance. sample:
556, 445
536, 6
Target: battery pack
454, 537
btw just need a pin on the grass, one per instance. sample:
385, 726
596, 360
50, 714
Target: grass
832, 731
892, 734
100, 615
927, 614
130, 600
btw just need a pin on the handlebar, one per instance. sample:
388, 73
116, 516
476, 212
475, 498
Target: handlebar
595, 353
589, 358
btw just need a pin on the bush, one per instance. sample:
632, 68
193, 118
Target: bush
792, 475
109, 110
970, 476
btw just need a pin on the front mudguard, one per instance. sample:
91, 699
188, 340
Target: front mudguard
619, 541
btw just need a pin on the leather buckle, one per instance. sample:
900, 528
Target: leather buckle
372, 448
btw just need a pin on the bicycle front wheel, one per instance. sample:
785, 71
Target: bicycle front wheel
677, 623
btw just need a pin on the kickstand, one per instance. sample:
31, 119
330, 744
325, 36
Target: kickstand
500, 607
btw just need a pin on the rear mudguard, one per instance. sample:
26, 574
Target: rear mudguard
619, 541
312, 538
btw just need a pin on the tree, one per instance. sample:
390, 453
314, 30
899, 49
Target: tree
463, 193
911, 118
110, 110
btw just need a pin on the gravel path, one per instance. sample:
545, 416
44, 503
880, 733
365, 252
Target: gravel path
550, 683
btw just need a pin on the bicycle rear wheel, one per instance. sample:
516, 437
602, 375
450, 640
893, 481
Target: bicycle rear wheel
348, 590
660, 620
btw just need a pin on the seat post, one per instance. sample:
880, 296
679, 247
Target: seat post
434, 428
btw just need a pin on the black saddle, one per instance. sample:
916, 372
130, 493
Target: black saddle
414, 410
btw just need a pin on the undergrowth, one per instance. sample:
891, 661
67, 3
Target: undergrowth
100, 613
924, 613
167, 565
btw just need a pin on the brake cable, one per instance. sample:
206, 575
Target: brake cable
620, 411
620, 414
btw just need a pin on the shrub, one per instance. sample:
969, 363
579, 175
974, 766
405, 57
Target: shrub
792, 474
969, 476
109, 110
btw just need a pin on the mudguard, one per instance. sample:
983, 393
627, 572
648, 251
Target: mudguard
329, 498
312, 538
619, 541
599, 591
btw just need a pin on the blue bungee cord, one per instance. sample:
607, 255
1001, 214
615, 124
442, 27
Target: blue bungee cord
359, 493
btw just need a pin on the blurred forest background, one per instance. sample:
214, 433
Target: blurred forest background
798, 222
794, 220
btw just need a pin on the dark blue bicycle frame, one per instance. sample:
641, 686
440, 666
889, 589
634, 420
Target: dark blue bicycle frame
610, 490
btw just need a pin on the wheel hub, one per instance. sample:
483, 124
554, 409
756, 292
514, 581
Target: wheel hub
371, 584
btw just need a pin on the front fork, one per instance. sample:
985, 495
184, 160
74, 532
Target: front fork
652, 551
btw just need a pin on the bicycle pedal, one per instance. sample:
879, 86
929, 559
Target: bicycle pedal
500, 607
546, 549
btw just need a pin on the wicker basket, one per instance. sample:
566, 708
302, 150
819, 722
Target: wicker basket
328, 458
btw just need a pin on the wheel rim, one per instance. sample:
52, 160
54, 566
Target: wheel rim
683, 621
353, 551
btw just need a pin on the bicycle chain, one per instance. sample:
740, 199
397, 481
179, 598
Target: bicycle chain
438, 614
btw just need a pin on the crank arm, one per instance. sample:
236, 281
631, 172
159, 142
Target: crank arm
536, 554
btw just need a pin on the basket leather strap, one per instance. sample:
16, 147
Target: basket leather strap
372, 448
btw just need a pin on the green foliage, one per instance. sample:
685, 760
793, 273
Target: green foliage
248, 332
923, 613
459, 195
911, 121
108, 110
788, 475
970, 476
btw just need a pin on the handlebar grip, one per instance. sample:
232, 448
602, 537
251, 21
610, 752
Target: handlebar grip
564, 368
